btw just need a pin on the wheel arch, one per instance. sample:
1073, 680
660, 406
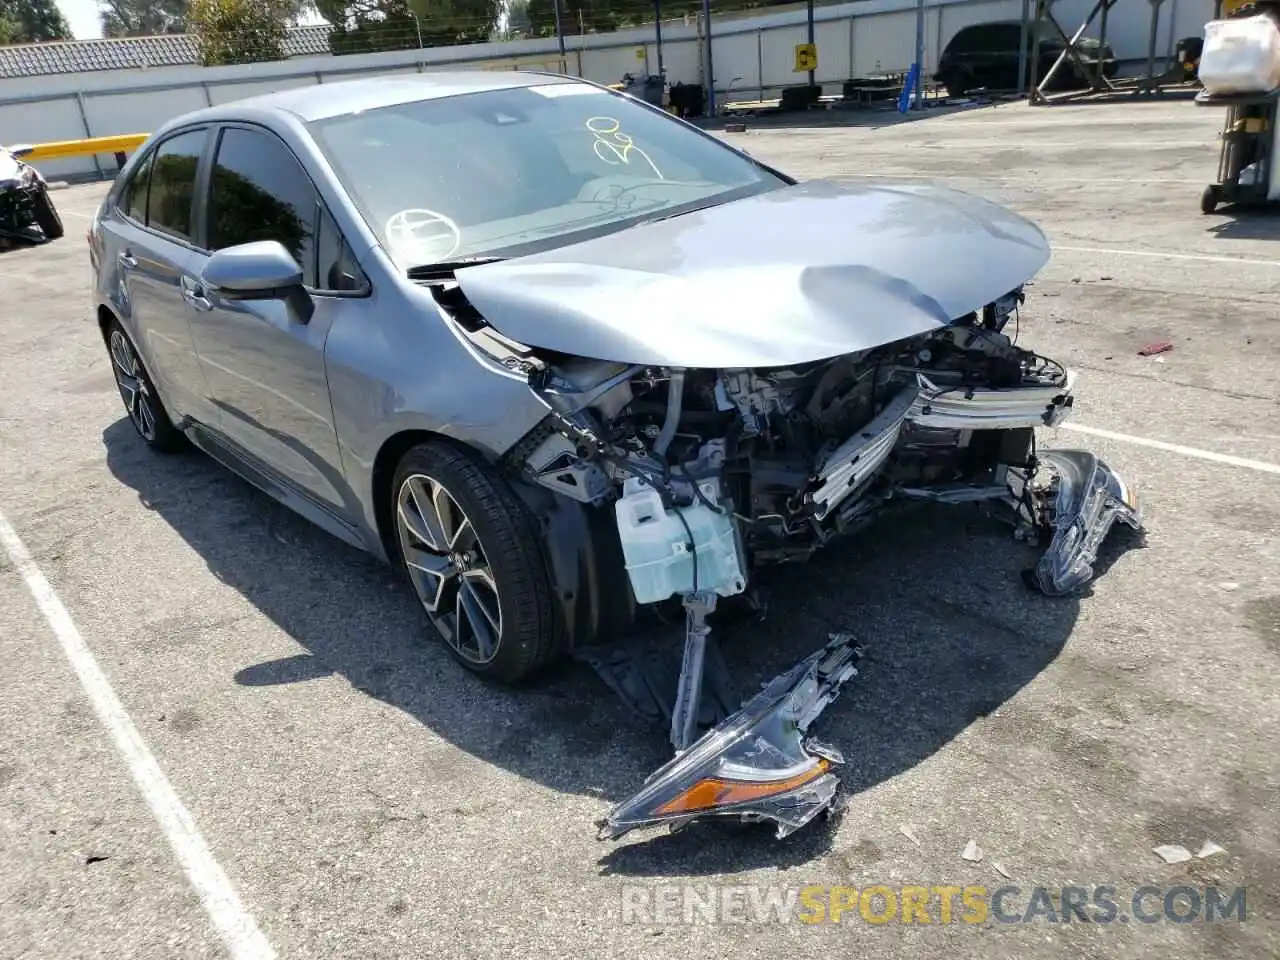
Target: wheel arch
580, 545
105, 316
383, 475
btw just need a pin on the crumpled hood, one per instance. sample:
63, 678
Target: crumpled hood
797, 274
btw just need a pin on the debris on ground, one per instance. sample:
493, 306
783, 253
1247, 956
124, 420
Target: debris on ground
1001, 870
1157, 346
1173, 853
972, 852
1209, 849
909, 834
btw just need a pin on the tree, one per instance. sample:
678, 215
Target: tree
456, 21
598, 16
32, 21
10, 29
142, 18
370, 26
239, 31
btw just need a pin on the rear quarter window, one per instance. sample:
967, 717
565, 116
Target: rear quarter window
133, 196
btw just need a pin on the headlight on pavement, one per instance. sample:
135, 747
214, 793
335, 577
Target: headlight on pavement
758, 764
1086, 498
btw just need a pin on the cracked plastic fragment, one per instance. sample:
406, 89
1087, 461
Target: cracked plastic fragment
758, 764
1085, 499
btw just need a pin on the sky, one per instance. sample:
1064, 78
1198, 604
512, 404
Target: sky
82, 15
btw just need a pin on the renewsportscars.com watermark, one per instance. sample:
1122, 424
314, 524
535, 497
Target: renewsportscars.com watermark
880, 904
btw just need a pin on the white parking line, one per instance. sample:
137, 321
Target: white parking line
1163, 255
1011, 177
237, 928
1224, 458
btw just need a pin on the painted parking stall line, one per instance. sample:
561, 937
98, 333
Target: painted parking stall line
1223, 458
1165, 255
236, 927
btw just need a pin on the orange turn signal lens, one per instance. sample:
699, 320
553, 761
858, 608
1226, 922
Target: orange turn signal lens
713, 792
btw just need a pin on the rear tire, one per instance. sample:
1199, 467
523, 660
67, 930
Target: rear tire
473, 555
141, 402
46, 215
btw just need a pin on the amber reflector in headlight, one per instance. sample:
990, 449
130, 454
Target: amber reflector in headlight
714, 792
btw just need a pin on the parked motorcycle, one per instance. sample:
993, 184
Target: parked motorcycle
24, 198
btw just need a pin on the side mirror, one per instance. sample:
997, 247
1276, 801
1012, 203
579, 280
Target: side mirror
262, 270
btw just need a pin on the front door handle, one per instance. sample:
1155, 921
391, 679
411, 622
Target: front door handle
128, 260
193, 293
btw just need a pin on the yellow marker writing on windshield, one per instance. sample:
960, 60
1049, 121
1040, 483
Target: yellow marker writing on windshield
615, 147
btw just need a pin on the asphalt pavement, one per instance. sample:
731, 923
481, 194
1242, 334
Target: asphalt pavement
365, 798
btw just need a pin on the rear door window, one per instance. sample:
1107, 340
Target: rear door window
173, 184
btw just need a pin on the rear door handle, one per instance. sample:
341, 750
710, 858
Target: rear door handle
193, 293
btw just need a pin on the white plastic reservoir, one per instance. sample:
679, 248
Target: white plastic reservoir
655, 544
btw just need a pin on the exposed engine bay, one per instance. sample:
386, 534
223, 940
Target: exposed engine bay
779, 461
712, 473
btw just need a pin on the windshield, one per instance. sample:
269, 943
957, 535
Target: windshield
520, 170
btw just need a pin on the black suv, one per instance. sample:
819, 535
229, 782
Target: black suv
985, 55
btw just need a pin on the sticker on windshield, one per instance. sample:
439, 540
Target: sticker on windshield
553, 90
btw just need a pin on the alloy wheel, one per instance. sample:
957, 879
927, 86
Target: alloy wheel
449, 568
135, 391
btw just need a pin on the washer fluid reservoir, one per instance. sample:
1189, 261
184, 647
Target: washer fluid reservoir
655, 544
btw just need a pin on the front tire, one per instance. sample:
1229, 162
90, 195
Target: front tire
471, 551
141, 401
46, 215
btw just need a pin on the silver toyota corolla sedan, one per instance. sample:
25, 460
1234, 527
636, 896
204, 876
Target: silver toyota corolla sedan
561, 356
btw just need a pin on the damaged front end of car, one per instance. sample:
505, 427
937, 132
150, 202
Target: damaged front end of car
724, 403
712, 473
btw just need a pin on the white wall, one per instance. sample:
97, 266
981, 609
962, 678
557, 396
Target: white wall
753, 56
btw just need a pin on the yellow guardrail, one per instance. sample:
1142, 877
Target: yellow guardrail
58, 149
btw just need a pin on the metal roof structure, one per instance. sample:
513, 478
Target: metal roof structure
131, 53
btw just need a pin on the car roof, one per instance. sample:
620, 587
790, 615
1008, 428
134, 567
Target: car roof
987, 24
323, 100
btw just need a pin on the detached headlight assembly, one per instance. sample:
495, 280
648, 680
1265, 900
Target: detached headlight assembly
1085, 498
757, 764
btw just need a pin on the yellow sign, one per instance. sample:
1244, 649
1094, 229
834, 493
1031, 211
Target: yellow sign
806, 57
1231, 6
641, 53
